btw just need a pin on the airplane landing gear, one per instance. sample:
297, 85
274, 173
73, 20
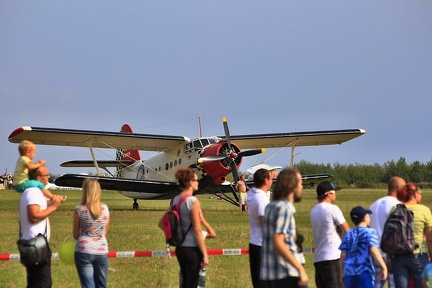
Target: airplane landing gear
135, 205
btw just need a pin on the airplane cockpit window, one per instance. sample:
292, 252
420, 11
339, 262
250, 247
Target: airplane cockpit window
200, 143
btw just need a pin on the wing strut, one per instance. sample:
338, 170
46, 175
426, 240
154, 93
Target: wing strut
223, 196
95, 161
292, 157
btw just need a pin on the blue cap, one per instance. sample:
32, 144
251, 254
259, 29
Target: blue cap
357, 214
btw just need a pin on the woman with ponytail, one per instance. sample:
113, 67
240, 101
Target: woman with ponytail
410, 266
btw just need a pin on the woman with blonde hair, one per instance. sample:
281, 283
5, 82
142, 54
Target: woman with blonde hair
90, 225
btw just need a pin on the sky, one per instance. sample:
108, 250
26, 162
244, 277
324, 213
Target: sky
268, 66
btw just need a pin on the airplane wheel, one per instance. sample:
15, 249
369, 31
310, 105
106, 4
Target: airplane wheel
135, 206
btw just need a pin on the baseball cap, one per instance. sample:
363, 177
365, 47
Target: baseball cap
357, 214
325, 187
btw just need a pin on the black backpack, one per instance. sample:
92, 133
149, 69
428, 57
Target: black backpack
174, 234
398, 232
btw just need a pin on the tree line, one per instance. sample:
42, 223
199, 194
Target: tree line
362, 175
372, 176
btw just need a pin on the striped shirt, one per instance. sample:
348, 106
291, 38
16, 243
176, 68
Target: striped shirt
278, 218
92, 231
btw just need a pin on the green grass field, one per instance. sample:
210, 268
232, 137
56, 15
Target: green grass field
137, 230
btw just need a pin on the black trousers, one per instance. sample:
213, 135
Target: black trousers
255, 262
39, 276
189, 259
282, 283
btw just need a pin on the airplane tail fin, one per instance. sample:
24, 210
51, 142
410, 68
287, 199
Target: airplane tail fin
129, 155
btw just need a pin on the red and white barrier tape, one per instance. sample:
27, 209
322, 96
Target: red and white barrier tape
155, 253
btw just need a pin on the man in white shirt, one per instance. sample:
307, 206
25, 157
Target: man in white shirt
380, 211
33, 215
329, 227
257, 200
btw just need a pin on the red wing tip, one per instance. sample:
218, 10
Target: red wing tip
17, 132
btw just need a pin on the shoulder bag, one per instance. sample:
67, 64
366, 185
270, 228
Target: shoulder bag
35, 251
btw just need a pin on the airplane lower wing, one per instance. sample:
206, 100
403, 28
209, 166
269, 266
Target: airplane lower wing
144, 189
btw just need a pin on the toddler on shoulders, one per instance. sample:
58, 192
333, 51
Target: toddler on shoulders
21, 182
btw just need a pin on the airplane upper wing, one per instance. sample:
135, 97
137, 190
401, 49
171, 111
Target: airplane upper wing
149, 142
97, 139
295, 139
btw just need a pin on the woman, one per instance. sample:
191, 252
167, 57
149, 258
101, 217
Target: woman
411, 265
192, 253
90, 226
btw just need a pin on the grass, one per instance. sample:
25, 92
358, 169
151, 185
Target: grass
137, 230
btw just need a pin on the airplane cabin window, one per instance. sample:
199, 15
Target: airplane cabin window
204, 142
197, 144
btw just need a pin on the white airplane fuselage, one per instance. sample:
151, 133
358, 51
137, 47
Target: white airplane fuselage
164, 165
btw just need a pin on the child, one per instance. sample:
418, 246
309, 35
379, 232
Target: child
358, 245
427, 276
27, 151
299, 242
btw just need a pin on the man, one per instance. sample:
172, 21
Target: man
241, 188
329, 227
33, 215
380, 211
281, 262
257, 200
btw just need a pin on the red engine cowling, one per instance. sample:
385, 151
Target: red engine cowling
219, 169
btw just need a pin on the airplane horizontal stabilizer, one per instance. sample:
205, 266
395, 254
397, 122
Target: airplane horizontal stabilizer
101, 163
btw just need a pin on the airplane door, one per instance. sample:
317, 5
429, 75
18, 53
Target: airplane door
141, 172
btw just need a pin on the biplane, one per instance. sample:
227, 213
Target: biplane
213, 158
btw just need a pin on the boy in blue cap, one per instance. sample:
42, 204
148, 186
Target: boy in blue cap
358, 247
